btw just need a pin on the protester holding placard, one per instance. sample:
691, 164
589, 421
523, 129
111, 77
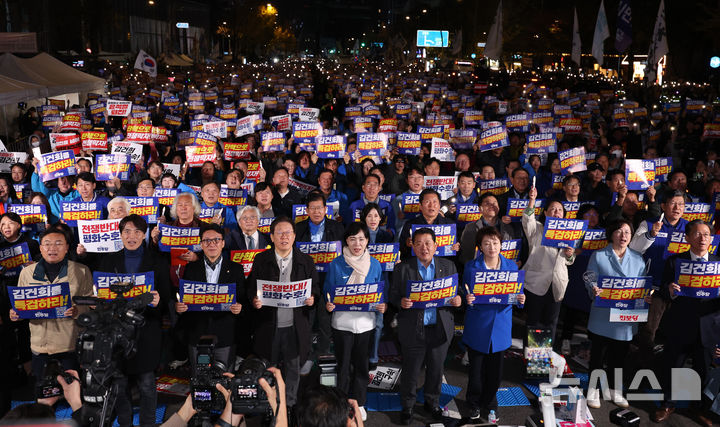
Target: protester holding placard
211, 210
352, 330
406, 206
63, 193
544, 286
424, 334
520, 180
651, 239
282, 335
685, 333
12, 234
335, 198
490, 217
488, 327
55, 338
429, 215
213, 268
284, 197
611, 340
137, 258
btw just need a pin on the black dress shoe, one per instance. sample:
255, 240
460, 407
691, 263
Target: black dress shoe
406, 416
435, 411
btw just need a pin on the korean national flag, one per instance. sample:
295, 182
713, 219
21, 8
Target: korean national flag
147, 63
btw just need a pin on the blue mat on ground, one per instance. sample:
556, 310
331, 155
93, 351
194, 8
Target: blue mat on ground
64, 412
511, 396
383, 402
390, 402
447, 393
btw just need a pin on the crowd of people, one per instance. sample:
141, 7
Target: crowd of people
268, 188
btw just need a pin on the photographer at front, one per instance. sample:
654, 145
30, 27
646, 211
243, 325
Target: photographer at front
55, 338
136, 258
282, 335
353, 331
212, 267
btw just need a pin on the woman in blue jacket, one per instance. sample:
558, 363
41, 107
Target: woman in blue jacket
488, 327
610, 341
353, 330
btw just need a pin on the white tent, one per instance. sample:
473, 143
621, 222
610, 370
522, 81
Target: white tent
44, 70
13, 91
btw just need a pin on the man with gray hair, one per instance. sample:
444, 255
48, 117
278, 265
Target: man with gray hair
248, 236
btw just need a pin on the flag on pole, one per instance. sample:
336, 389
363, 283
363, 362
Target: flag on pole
147, 63
576, 55
623, 34
493, 47
457, 43
602, 32
658, 46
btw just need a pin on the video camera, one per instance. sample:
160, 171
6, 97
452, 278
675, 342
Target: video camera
48, 385
208, 373
109, 335
248, 397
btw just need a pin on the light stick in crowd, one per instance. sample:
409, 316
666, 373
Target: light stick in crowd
328, 297
467, 289
534, 177
662, 216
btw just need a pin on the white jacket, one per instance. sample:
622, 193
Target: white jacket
545, 265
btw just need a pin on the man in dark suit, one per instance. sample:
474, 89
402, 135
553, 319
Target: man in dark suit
317, 228
213, 267
520, 180
248, 236
424, 335
682, 321
284, 197
137, 258
282, 335
429, 215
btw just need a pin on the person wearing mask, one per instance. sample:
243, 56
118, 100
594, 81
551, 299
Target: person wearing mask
282, 335
318, 228
488, 327
213, 267
610, 341
395, 175
429, 215
370, 190
284, 197
544, 286
136, 258
55, 338
424, 335
62, 193
683, 331
352, 331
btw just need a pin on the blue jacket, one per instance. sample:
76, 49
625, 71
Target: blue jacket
339, 272
488, 327
54, 197
604, 262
